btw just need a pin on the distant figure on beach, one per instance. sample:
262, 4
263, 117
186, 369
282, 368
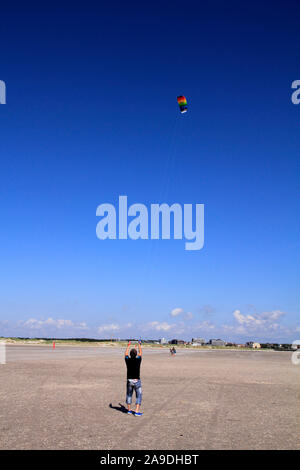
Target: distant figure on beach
133, 363
173, 351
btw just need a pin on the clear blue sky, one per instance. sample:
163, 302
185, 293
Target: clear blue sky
91, 113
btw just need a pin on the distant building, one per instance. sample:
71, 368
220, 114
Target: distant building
163, 341
198, 341
177, 341
253, 345
217, 342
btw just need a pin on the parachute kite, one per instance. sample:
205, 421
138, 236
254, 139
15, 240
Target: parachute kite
182, 104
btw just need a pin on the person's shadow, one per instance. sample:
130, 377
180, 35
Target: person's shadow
119, 408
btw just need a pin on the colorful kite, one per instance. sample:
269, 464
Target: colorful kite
182, 104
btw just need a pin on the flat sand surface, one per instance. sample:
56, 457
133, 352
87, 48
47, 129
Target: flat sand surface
72, 397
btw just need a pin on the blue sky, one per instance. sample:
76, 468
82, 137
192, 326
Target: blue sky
91, 114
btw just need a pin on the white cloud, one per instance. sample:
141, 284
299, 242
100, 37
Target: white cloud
274, 315
176, 311
265, 324
256, 321
160, 326
35, 324
205, 326
111, 327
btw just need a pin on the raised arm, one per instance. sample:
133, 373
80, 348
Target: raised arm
140, 348
127, 349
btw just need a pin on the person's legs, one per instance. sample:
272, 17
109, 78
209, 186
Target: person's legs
129, 392
138, 392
